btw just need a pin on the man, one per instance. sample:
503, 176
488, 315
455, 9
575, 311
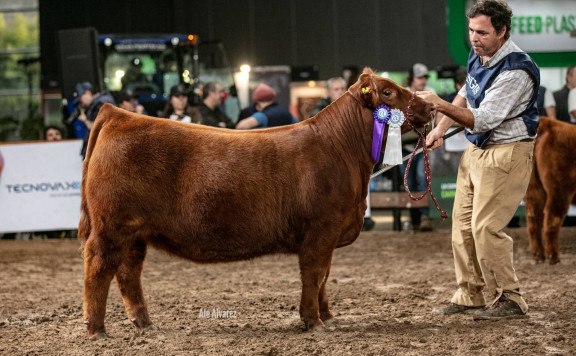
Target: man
561, 96
336, 87
417, 81
572, 105
498, 108
90, 102
129, 101
268, 114
209, 108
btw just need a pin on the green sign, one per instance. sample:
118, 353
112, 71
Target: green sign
531, 31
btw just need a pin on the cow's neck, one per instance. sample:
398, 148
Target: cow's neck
348, 127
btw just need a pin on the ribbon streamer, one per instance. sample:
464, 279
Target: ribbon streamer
393, 151
381, 116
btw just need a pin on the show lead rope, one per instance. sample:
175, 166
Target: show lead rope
428, 175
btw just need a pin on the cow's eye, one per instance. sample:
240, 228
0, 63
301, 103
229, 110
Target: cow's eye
387, 93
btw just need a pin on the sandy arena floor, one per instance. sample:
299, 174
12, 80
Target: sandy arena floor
382, 290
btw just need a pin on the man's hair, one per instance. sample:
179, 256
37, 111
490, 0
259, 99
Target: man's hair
207, 88
331, 81
499, 12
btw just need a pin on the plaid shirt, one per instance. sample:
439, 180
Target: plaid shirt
507, 98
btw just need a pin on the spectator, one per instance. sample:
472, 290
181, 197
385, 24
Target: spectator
572, 105
498, 108
336, 87
561, 96
546, 102
133, 73
417, 81
52, 133
168, 74
89, 103
129, 101
269, 113
177, 107
459, 81
210, 107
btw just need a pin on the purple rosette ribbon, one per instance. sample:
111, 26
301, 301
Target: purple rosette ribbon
381, 116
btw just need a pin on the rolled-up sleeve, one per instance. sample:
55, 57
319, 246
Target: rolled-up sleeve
506, 98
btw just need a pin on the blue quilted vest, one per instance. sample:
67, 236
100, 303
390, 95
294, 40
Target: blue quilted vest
480, 79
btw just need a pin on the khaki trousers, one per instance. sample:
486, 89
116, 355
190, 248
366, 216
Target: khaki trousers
490, 185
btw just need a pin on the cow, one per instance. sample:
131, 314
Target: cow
217, 195
552, 187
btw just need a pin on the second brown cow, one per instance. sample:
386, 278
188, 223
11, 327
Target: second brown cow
215, 195
552, 187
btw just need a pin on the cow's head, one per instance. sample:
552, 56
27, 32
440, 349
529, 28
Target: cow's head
372, 90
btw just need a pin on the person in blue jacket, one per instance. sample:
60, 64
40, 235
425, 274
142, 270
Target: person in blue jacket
267, 112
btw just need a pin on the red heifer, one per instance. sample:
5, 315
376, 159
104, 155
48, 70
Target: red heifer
215, 195
552, 186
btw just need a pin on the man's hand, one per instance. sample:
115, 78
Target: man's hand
430, 97
434, 139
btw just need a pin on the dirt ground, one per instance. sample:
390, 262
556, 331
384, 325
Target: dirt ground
382, 290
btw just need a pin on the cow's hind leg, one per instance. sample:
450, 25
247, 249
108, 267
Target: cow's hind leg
554, 214
129, 282
314, 268
535, 201
100, 264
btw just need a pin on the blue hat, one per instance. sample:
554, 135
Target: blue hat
81, 89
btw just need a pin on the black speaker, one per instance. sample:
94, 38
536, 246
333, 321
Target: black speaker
78, 59
304, 73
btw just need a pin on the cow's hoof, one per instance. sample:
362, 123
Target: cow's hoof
98, 336
554, 260
311, 326
326, 316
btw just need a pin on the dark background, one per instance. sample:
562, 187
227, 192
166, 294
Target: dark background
383, 34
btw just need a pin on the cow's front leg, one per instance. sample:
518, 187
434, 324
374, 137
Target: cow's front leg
323, 303
314, 267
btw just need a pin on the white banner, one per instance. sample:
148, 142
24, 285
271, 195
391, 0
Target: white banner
40, 186
544, 25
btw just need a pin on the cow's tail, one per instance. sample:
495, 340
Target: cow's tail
84, 226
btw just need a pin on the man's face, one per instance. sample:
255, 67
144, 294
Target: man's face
53, 135
483, 36
217, 95
336, 90
419, 83
86, 99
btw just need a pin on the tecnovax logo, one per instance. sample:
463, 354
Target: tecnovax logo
43, 187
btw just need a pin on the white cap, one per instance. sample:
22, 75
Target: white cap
419, 70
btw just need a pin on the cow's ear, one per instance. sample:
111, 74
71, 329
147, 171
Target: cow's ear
364, 90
